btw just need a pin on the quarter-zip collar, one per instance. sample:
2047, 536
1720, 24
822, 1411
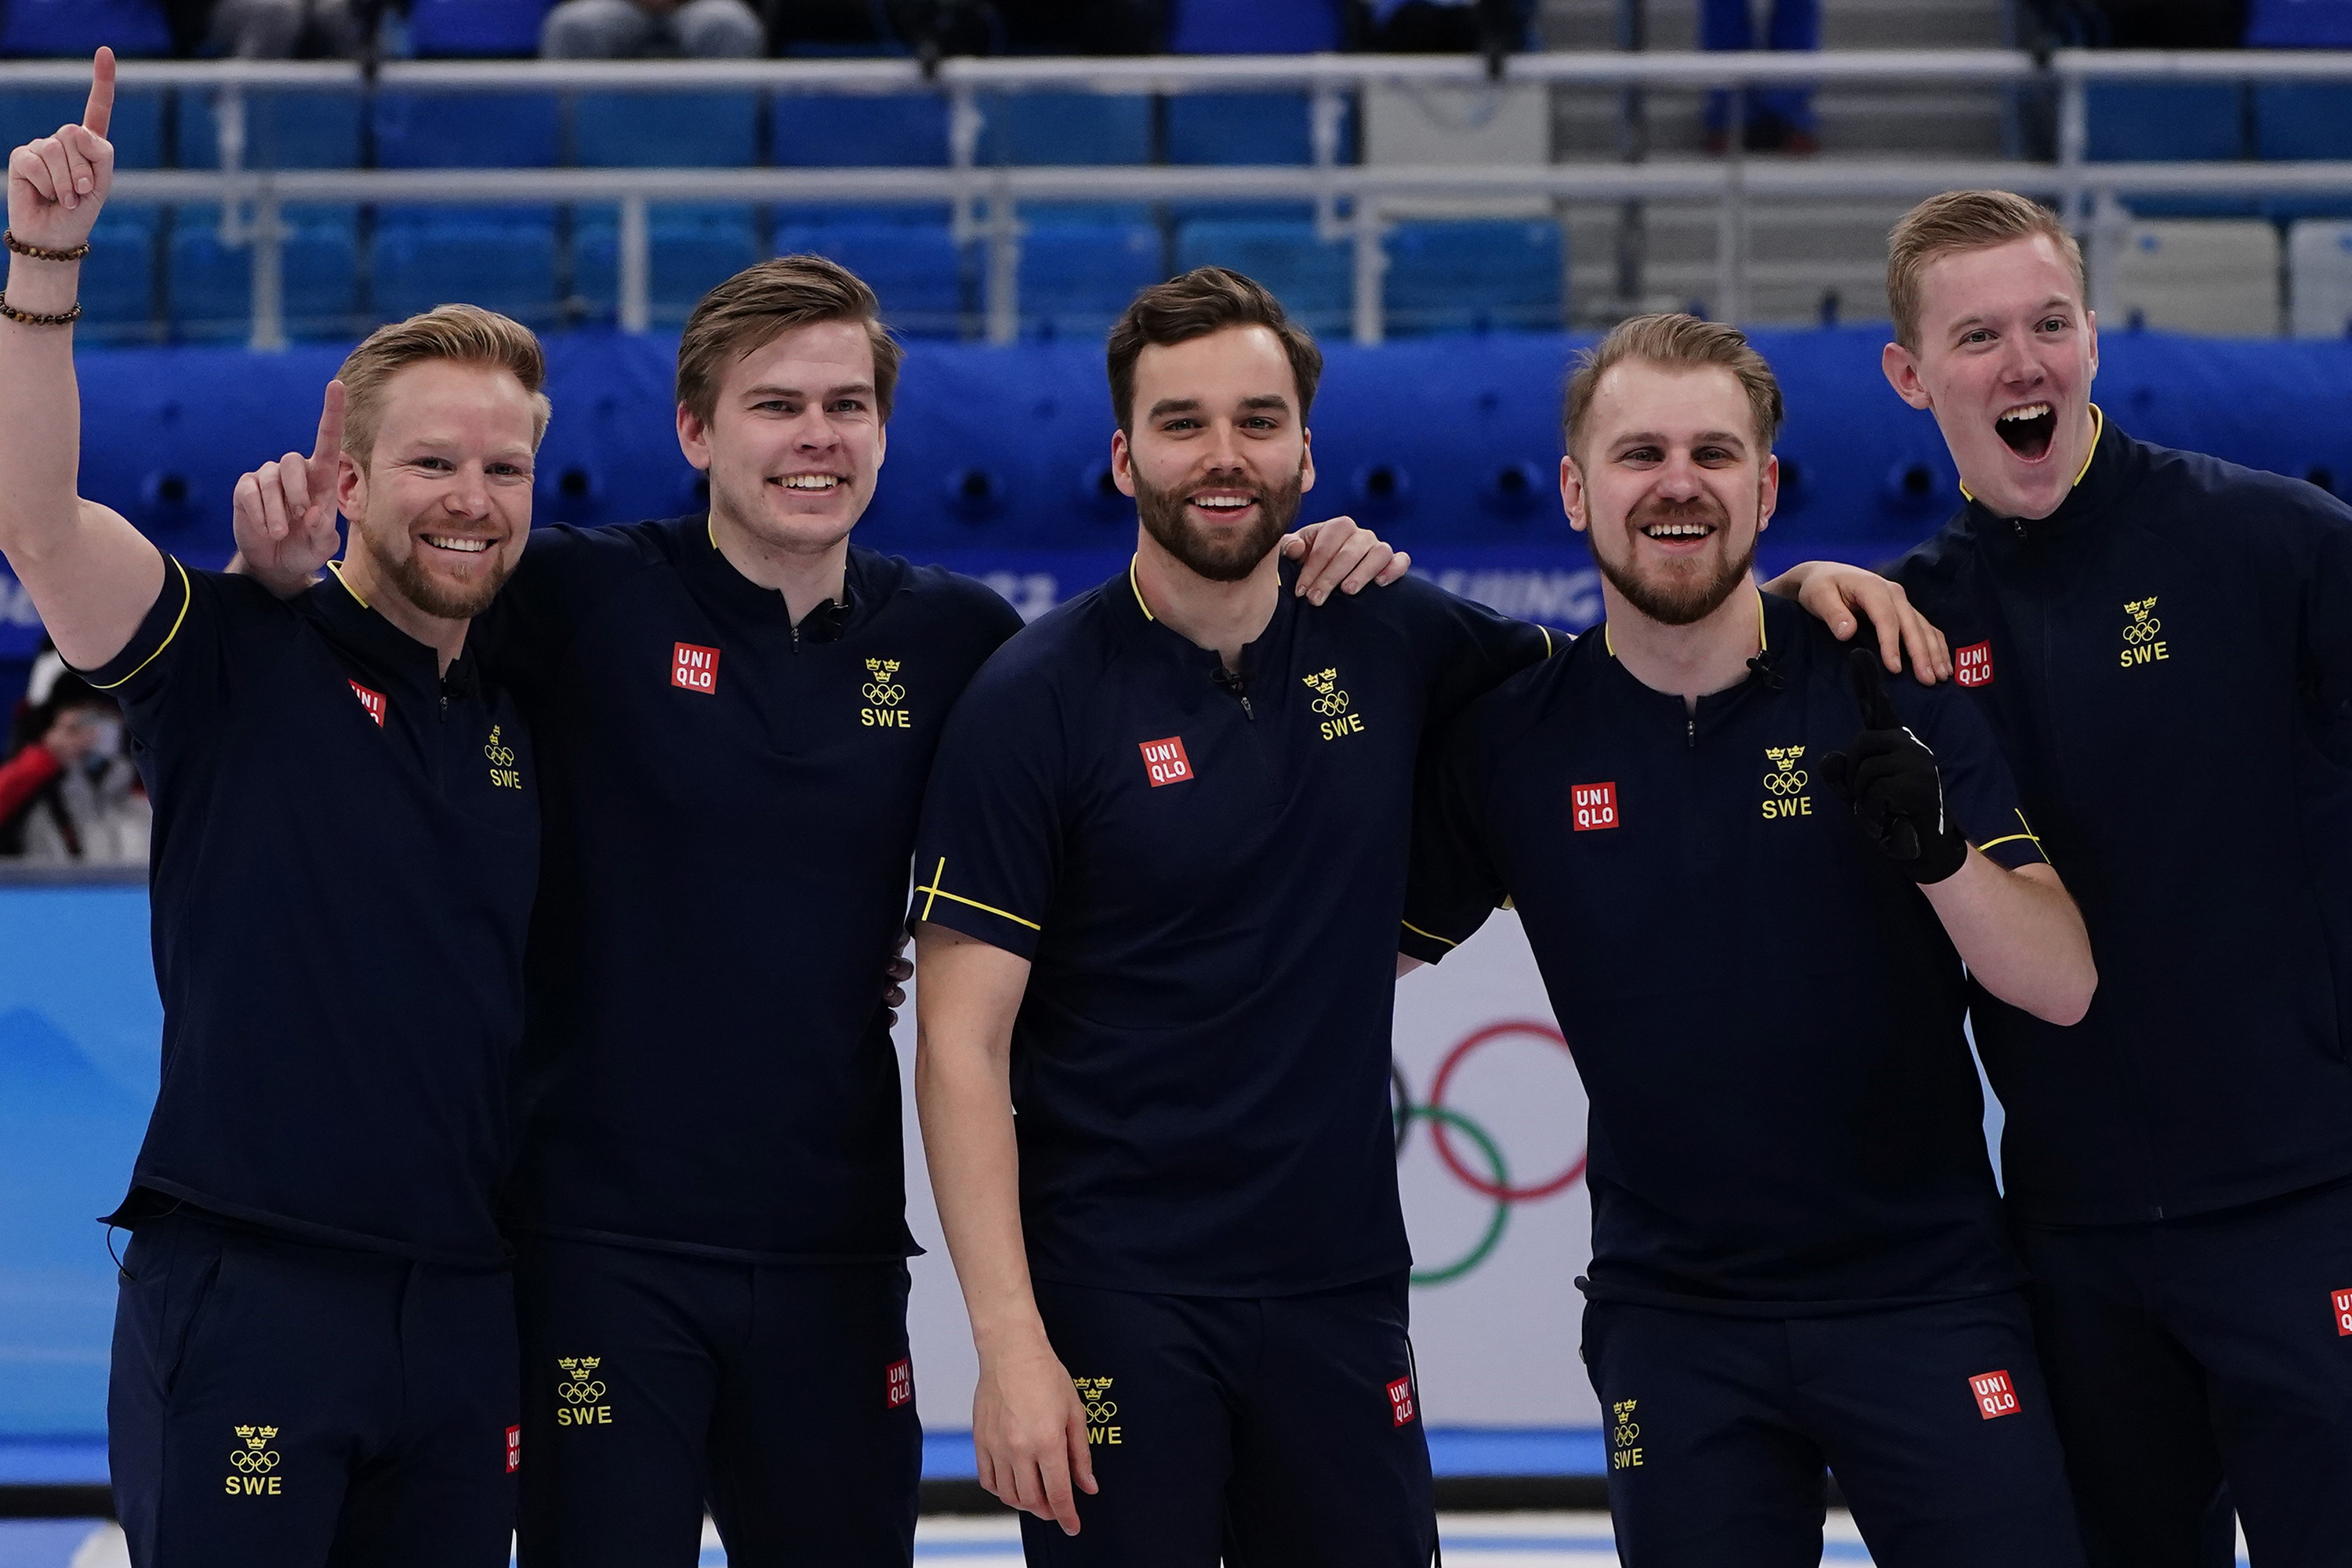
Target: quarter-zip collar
707, 567
2108, 474
394, 657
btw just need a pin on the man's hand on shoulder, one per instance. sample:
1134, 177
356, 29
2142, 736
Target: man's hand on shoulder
1339, 553
285, 511
1834, 593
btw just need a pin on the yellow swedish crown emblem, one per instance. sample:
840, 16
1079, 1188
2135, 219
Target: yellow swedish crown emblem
1328, 698
1786, 777
879, 689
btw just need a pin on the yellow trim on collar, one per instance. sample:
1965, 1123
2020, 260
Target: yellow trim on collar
1137, 588
337, 568
2098, 429
1763, 639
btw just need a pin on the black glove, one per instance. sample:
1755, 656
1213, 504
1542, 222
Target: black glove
1889, 775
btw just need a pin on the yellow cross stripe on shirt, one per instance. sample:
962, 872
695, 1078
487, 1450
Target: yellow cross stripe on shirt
935, 892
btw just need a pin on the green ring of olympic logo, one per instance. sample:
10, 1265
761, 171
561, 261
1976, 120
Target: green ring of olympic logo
1497, 1172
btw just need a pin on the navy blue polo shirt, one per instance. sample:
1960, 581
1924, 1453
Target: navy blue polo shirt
344, 850
730, 801
1766, 1014
1206, 876
2167, 659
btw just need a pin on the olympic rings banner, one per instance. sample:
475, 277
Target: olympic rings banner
1490, 1157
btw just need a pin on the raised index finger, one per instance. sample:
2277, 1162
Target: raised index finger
331, 425
100, 111
1870, 691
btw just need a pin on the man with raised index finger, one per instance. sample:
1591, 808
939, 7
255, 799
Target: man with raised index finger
314, 1352
1798, 1251
735, 713
2163, 642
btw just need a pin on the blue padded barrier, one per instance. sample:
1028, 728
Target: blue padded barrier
665, 129
502, 261
212, 283
690, 251
462, 29
848, 130
916, 272
40, 27
1256, 26
282, 130
417, 129
1243, 127
1065, 128
136, 129
1314, 279
1076, 277
1475, 276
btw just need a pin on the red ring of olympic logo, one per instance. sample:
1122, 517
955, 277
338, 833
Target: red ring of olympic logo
1440, 1130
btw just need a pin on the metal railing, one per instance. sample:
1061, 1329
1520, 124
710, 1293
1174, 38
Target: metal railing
1350, 201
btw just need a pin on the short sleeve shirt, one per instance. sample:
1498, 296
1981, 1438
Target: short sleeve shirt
1205, 871
345, 842
1784, 1114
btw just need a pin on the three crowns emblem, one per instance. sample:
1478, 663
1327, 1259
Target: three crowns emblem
880, 690
1328, 698
2143, 623
580, 1389
256, 1456
1090, 1393
1786, 777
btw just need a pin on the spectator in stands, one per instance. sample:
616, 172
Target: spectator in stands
67, 792
265, 29
1776, 119
632, 29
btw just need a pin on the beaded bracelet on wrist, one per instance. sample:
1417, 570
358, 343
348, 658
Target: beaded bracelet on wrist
30, 318
41, 253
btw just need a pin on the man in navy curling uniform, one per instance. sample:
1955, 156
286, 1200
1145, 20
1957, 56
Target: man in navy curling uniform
1168, 812
314, 1349
2163, 643
735, 714
1799, 1255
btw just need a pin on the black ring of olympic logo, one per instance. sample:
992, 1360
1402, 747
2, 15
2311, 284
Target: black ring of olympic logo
1444, 1121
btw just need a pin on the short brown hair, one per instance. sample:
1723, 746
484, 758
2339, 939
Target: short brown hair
1204, 300
1678, 342
465, 334
761, 304
1957, 221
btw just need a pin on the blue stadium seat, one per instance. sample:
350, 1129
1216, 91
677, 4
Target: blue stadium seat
2303, 120
665, 129
917, 272
78, 26
118, 282
466, 129
692, 249
1076, 276
502, 261
2162, 123
1475, 276
136, 129
1241, 128
2299, 25
1256, 26
464, 28
837, 130
282, 130
1065, 128
212, 283
1315, 280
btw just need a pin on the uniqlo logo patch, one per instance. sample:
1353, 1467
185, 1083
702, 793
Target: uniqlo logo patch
1401, 1410
514, 1450
898, 1380
1164, 762
371, 701
2343, 1314
694, 668
1994, 1394
1593, 806
1972, 665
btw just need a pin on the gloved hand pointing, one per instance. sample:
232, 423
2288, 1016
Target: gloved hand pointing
1889, 775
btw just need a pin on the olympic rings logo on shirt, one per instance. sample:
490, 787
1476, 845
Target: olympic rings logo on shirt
1494, 1181
2141, 631
1787, 783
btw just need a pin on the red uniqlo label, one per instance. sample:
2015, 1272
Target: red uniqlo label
694, 668
2343, 1314
1401, 1402
514, 1450
1595, 805
1165, 762
899, 1380
371, 701
1972, 665
1994, 1395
